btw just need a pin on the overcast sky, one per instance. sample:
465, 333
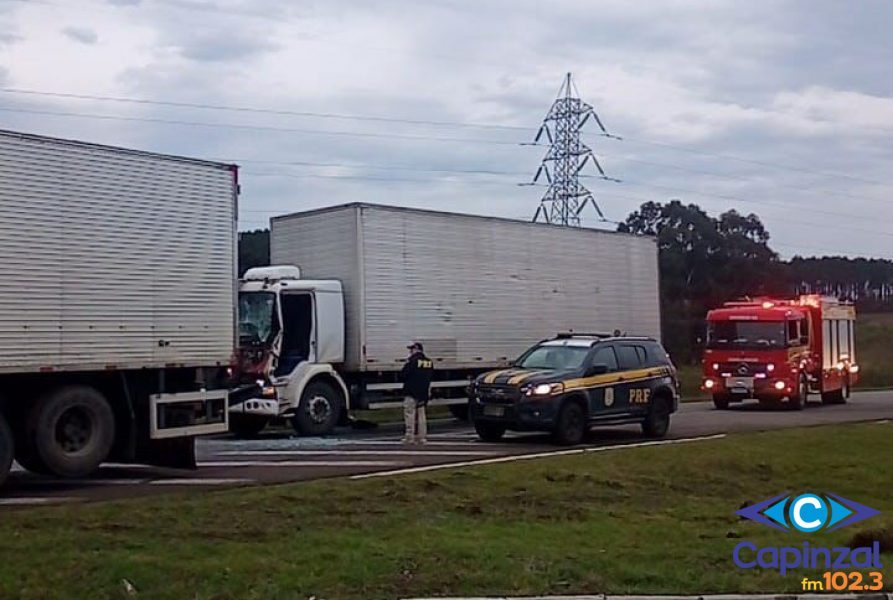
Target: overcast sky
780, 108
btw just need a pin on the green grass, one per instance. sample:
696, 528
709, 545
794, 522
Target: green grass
655, 519
874, 349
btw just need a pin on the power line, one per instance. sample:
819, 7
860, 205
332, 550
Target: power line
254, 127
383, 119
269, 111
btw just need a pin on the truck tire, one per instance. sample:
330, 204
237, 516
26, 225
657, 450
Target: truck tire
246, 426
459, 411
489, 432
7, 449
72, 430
570, 427
837, 396
657, 423
720, 402
798, 400
319, 410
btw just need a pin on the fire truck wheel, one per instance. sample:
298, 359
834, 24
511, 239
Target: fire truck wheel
246, 426
720, 402
837, 396
6, 449
798, 400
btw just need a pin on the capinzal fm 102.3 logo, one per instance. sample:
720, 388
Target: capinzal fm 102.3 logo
808, 512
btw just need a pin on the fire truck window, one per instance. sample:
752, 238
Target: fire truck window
793, 332
804, 331
843, 336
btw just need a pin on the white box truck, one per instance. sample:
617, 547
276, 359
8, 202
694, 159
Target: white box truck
117, 304
329, 332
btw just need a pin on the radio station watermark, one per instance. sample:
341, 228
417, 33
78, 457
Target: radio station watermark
846, 569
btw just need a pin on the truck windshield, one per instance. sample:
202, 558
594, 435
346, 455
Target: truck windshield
746, 334
256, 317
558, 358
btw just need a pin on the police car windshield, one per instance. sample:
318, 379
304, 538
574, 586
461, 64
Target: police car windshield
746, 334
554, 358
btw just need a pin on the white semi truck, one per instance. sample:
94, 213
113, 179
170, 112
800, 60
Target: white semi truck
117, 304
327, 330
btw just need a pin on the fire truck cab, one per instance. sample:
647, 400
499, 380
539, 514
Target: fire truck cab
780, 350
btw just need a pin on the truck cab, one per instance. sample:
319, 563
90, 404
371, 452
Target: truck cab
291, 336
780, 350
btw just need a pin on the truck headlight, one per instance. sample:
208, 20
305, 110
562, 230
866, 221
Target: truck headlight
546, 389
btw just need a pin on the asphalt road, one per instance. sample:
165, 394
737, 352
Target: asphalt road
279, 456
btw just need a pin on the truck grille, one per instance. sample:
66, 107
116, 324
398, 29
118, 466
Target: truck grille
498, 393
742, 369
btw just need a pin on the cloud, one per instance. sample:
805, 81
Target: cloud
223, 46
84, 35
801, 94
7, 38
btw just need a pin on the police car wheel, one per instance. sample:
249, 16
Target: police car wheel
570, 426
489, 432
657, 423
720, 402
246, 426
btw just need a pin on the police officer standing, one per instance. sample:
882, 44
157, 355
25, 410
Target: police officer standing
416, 377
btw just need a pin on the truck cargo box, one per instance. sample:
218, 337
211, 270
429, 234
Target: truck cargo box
113, 258
477, 291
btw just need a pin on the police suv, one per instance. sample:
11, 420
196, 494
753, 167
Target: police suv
575, 381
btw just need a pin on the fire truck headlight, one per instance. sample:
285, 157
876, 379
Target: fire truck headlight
779, 385
709, 383
854, 368
770, 367
715, 366
840, 365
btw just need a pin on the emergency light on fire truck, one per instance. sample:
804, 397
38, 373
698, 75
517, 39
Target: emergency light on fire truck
781, 350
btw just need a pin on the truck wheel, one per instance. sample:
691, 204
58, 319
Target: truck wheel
837, 396
7, 449
657, 423
319, 410
720, 402
570, 426
459, 411
72, 431
798, 400
489, 432
246, 426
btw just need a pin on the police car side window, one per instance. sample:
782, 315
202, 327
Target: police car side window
629, 358
643, 355
605, 356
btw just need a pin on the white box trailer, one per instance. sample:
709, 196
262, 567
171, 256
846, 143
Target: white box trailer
476, 291
117, 301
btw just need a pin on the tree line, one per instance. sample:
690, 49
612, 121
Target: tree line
705, 261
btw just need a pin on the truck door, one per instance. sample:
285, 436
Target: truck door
603, 400
297, 331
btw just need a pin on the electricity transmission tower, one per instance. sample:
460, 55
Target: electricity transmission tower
567, 155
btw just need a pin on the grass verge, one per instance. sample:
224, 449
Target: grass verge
655, 519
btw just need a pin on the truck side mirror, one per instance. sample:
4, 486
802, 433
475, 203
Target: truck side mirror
599, 369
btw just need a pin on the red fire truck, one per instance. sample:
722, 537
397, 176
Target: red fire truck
780, 350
